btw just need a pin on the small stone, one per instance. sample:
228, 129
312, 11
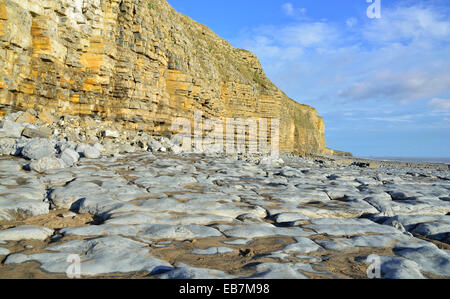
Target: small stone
279, 271
64, 197
12, 129
238, 242
176, 149
69, 156
99, 256
262, 230
349, 227
430, 258
289, 217
155, 146
126, 148
37, 133
110, 134
146, 232
26, 232
88, 151
186, 272
213, 251
398, 268
11, 209
37, 149
249, 218
46, 117
302, 245
99, 147
4, 251
47, 163
7, 146
67, 215
271, 160
373, 241
27, 117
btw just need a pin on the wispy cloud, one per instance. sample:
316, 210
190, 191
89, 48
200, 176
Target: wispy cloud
408, 24
441, 104
401, 86
405, 118
302, 35
403, 57
288, 9
291, 11
384, 75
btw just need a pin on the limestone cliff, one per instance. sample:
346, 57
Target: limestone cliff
139, 63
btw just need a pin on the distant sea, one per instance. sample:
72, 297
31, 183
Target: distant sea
408, 159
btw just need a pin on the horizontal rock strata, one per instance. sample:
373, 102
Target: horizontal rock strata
139, 64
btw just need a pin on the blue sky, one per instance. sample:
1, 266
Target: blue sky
382, 85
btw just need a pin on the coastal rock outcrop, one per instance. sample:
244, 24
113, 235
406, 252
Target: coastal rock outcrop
140, 65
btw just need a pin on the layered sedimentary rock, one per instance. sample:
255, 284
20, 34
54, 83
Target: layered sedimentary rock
140, 64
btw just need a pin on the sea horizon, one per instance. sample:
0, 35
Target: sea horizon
411, 159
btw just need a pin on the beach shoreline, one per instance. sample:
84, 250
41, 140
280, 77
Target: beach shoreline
217, 216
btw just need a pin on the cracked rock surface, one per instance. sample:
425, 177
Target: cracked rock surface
161, 215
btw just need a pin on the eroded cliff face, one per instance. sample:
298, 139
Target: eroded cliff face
139, 63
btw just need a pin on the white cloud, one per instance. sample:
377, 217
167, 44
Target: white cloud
401, 58
441, 104
290, 11
401, 86
306, 35
407, 24
301, 35
406, 118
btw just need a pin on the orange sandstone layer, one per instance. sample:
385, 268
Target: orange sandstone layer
139, 63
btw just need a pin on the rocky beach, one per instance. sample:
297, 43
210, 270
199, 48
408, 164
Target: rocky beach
96, 181
136, 209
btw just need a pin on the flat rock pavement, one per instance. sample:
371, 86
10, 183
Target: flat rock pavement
197, 216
